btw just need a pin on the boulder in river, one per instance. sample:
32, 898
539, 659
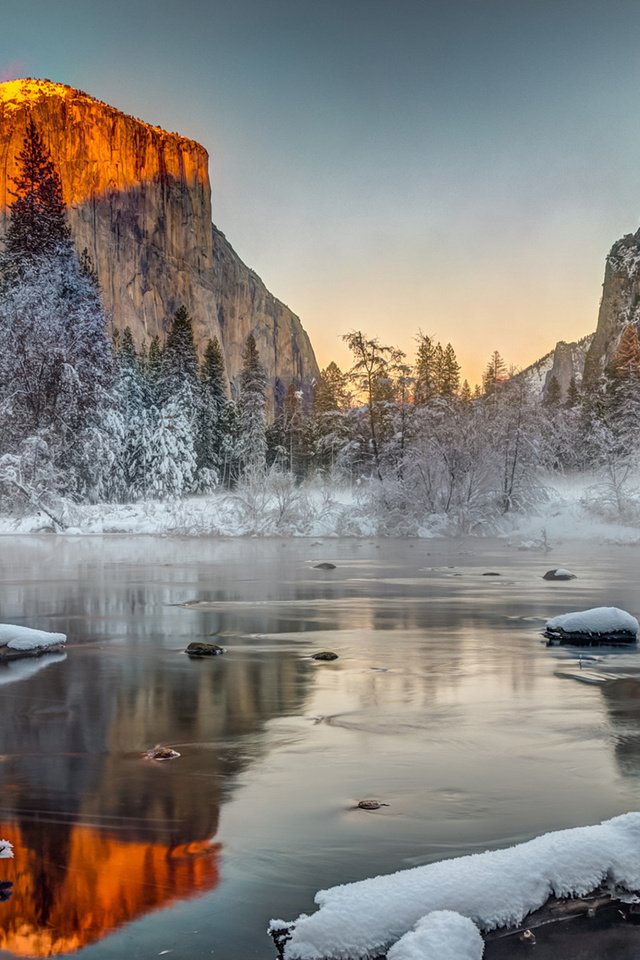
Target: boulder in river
559, 574
599, 625
324, 655
324, 566
19, 641
198, 648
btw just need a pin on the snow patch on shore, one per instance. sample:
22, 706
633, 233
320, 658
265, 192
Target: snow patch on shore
493, 889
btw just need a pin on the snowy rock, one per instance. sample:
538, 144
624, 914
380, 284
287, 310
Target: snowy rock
559, 574
18, 641
6, 850
597, 625
494, 889
441, 935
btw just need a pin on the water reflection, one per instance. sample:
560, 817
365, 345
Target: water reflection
622, 698
101, 836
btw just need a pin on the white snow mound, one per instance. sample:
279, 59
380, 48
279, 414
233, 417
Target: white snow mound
494, 889
441, 935
25, 638
596, 620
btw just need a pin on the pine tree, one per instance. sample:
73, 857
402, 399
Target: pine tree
179, 357
425, 370
626, 361
553, 393
450, 373
573, 394
212, 434
252, 424
495, 374
465, 392
37, 223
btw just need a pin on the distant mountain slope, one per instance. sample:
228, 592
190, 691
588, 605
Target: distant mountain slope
565, 361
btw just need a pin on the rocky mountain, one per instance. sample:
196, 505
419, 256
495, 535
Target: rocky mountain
139, 200
565, 361
620, 303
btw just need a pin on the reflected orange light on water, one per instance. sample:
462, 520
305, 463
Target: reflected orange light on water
104, 883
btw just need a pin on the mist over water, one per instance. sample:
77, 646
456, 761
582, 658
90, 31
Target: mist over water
444, 704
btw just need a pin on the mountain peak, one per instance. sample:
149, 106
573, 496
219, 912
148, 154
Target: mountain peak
16, 92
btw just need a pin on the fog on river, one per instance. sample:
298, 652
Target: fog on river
444, 703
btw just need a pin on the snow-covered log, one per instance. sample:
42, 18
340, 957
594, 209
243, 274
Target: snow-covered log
597, 625
19, 641
496, 889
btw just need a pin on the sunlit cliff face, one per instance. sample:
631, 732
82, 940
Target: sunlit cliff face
97, 149
104, 883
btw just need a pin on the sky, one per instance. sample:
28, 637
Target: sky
459, 167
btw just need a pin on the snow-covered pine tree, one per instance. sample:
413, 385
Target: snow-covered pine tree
252, 422
55, 358
212, 433
179, 357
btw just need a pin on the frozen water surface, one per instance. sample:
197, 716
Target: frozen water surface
444, 704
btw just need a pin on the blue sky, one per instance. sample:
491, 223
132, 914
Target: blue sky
459, 167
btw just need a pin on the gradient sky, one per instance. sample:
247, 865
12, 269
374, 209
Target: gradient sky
460, 167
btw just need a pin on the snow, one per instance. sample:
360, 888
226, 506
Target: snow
562, 572
6, 850
596, 620
25, 638
441, 935
494, 889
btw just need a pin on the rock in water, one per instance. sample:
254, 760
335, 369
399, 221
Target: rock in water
559, 574
324, 655
198, 648
491, 573
607, 625
370, 804
139, 201
324, 566
161, 753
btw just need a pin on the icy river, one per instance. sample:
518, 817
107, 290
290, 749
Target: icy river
443, 704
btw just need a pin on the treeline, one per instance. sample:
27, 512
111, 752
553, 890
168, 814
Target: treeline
89, 417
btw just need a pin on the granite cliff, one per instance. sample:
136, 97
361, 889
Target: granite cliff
139, 200
620, 303
564, 362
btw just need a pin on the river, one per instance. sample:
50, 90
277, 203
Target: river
443, 704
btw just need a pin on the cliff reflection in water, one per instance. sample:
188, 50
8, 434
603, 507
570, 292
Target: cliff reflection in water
102, 836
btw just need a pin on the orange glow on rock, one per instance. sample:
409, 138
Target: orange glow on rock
105, 882
97, 149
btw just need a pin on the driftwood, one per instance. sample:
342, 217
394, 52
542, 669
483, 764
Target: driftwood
600, 905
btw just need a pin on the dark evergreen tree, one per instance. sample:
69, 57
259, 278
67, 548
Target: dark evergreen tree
179, 357
573, 394
425, 371
252, 422
495, 374
449, 373
213, 427
553, 393
37, 222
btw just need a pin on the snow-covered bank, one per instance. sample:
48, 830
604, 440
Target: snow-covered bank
570, 511
494, 889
